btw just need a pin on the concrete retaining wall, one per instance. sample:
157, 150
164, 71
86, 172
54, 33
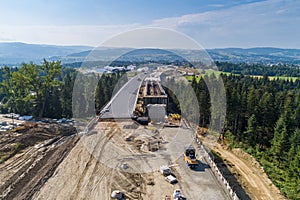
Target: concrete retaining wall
216, 170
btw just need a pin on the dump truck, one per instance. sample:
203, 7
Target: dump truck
190, 157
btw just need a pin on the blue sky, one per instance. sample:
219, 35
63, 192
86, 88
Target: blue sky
215, 23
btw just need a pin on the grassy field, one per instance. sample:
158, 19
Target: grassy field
279, 77
209, 72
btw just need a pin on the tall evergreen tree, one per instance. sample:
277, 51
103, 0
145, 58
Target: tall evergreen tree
251, 133
279, 142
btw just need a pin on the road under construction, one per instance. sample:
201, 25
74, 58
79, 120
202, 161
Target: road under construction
148, 134
117, 153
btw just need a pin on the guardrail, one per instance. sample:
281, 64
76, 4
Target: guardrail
208, 158
137, 95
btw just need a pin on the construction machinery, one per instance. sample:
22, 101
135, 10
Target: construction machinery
190, 157
175, 116
177, 195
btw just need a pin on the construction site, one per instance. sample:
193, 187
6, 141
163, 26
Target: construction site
152, 101
146, 153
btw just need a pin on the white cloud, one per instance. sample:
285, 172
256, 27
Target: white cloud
267, 23
62, 35
216, 5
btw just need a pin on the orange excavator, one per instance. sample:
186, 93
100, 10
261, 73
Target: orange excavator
190, 157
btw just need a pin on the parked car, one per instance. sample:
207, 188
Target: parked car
171, 179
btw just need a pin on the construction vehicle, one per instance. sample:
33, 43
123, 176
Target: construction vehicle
190, 157
177, 195
175, 116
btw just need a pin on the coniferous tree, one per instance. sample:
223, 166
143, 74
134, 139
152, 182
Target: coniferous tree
279, 142
251, 133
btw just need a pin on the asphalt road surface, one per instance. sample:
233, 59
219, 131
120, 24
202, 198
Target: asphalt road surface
122, 104
200, 183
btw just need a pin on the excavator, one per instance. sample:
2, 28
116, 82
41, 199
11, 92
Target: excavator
190, 157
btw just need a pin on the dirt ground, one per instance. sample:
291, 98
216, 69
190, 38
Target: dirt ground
30, 156
248, 173
114, 156
24, 174
82, 175
251, 174
88, 173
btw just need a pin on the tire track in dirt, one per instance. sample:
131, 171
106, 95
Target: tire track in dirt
133, 185
18, 161
108, 134
8, 185
32, 178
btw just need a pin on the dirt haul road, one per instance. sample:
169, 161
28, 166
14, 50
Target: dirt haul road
251, 175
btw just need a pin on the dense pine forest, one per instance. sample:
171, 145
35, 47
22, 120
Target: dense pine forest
262, 116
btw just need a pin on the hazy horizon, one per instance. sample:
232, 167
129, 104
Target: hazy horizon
92, 47
213, 24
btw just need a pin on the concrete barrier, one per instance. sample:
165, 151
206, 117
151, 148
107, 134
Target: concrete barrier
216, 170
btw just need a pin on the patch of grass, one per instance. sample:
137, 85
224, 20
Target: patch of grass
4, 157
14, 149
217, 73
277, 77
208, 73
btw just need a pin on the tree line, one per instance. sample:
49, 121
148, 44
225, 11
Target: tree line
262, 118
45, 90
287, 70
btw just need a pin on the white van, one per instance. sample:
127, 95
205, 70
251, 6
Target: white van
171, 179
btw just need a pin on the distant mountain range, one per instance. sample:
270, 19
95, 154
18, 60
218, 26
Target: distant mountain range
16, 53
256, 55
